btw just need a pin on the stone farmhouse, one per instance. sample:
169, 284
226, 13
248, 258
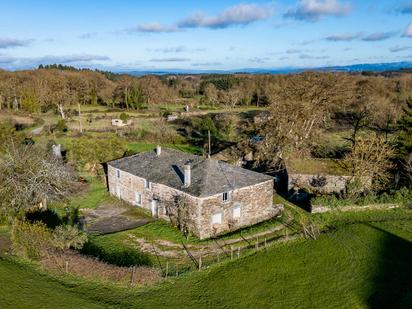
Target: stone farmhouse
200, 195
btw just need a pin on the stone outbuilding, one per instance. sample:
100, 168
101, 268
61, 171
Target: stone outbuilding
202, 196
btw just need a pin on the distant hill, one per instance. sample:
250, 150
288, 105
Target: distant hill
371, 67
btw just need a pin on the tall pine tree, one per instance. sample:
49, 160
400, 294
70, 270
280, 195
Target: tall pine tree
405, 134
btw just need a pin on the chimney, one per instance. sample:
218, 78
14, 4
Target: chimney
158, 150
188, 176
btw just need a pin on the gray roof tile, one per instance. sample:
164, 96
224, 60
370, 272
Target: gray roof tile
209, 177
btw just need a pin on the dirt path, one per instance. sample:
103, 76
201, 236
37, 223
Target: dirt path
111, 218
170, 249
5, 244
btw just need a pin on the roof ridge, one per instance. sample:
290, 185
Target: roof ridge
205, 176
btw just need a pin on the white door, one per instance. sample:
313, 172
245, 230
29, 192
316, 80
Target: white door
154, 208
118, 191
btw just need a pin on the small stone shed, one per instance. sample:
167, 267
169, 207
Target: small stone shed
204, 196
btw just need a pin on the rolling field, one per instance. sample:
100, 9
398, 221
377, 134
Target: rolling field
357, 266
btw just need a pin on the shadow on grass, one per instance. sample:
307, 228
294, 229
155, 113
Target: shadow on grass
393, 281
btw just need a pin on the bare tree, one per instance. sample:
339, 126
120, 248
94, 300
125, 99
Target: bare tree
30, 175
178, 211
369, 163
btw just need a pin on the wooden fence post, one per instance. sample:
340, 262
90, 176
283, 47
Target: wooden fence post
265, 243
200, 263
231, 252
67, 267
133, 273
167, 269
238, 252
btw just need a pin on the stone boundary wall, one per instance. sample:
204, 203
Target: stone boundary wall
316, 209
321, 183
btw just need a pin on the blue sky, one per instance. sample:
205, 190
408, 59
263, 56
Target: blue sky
203, 34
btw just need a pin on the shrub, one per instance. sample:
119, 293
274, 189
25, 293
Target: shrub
30, 240
402, 197
35, 241
88, 152
116, 255
61, 126
67, 236
124, 117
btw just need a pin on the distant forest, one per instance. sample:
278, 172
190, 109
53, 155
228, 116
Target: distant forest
56, 86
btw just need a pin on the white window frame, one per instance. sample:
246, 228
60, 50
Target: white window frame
147, 184
227, 194
237, 211
217, 218
117, 173
138, 202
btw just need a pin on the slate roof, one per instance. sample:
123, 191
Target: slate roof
209, 177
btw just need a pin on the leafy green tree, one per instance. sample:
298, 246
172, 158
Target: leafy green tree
88, 153
124, 117
8, 135
405, 134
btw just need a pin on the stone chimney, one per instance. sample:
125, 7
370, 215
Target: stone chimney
158, 150
187, 175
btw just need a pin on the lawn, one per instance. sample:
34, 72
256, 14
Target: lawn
358, 265
95, 195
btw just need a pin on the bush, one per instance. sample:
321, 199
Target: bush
30, 241
35, 241
88, 153
402, 197
61, 126
116, 255
67, 236
124, 117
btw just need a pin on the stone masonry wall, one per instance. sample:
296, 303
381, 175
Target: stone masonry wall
256, 203
323, 184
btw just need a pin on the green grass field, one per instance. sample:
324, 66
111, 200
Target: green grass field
357, 266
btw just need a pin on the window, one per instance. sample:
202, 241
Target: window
118, 173
147, 184
236, 212
138, 198
225, 196
217, 218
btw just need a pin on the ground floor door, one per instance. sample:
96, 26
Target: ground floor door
118, 191
154, 209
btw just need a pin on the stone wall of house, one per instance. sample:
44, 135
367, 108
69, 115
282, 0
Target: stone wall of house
256, 205
322, 184
255, 202
127, 185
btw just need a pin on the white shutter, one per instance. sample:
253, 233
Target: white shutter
217, 218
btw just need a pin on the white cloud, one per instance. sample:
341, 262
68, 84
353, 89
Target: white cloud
310, 57
88, 35
152, 28
241, 14
65, 59
378, 36
9, 43
313, 10
345, 37
408, 31
169, 60
237, 15
175, 49
397, 49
